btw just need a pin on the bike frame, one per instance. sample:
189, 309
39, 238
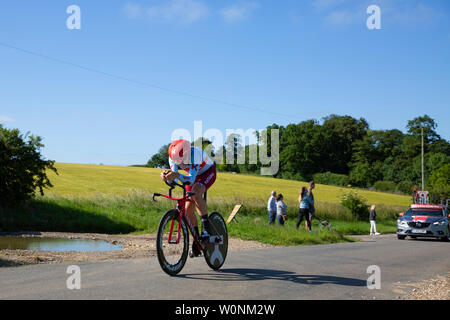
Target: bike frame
181, 207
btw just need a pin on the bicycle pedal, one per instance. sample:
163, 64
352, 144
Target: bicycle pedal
205, 236
213, 240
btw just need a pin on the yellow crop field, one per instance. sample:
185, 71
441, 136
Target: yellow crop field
83, 180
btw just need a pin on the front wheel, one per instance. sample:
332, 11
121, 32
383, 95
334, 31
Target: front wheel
172, 254
400, 237
217, 248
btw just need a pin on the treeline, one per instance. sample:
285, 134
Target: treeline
23, 169
342, 150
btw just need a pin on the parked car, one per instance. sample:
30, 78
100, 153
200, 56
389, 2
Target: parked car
424, 220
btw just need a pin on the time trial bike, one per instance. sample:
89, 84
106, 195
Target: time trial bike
172, 240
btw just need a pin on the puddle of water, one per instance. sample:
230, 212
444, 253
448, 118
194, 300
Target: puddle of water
56, 244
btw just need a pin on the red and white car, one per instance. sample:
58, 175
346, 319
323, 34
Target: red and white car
424, 220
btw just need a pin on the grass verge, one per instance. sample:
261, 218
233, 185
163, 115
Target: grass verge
137, 213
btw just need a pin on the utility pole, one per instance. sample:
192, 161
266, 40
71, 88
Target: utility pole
423, 174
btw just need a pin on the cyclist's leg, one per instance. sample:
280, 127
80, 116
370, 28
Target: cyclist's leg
200, 203
203, 183
190, 206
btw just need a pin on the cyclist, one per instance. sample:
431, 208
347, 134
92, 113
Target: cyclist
201, 176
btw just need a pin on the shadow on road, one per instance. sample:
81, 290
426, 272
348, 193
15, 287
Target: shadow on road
423, 239
243, 274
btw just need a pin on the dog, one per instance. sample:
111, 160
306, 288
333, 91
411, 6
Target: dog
324, 224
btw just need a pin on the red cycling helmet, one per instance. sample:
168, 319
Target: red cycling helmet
179, 151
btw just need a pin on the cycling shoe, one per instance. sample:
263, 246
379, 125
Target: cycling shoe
194, 252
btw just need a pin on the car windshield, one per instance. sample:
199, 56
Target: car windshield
416, 212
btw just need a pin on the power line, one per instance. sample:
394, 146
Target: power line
142, 83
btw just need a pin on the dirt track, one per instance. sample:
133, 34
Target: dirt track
134, 246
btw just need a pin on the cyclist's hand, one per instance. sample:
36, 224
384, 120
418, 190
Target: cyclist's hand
163, 175
172, 175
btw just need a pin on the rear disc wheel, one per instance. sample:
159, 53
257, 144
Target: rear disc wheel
216, 251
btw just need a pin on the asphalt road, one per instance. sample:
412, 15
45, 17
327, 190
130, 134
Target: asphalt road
337, 271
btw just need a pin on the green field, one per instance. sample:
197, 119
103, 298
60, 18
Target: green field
113, 199
92, 180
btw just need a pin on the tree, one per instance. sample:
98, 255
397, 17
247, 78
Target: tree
234, 154
250, 158
363, 174
412, 144
160, 159
439, 183
22, 167
356, 204
205, 144
300, 149
404, 161
435, 161
440, 146
372, 151
429, 128
340, 134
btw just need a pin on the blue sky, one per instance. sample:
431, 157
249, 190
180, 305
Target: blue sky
230, 64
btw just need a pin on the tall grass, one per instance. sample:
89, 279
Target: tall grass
251, 228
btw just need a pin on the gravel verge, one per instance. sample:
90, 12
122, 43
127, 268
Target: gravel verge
437, 288
133, 246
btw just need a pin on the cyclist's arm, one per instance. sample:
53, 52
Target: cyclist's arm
190, 178
173, 168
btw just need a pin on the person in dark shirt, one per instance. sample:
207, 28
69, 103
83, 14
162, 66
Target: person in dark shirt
372, 218
305, 204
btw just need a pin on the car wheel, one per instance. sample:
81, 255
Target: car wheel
400, 237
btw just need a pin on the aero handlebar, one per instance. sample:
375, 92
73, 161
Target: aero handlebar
172, 185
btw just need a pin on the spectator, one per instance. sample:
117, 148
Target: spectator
312, 208
272, 207
373, 224
414, 195
281, 210
305, 204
